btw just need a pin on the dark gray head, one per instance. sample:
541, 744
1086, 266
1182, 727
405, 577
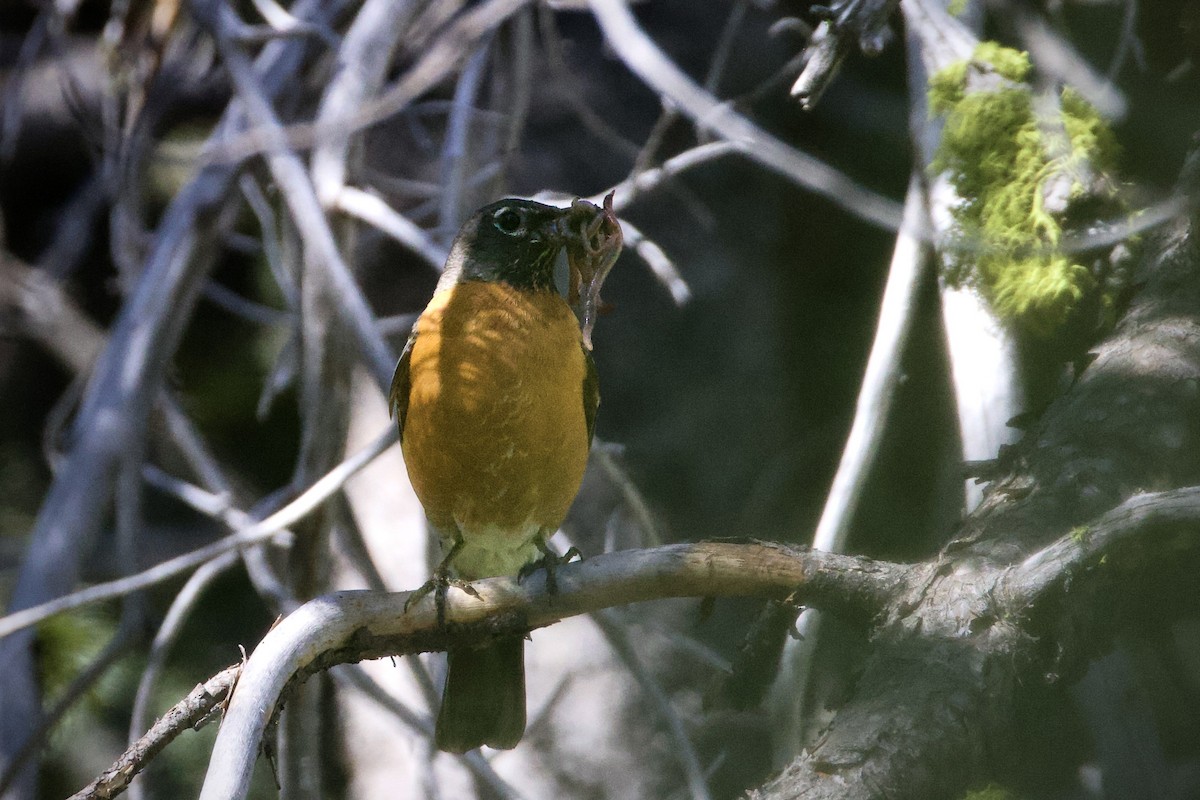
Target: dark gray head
514, 241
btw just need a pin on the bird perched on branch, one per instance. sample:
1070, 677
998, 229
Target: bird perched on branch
496, 396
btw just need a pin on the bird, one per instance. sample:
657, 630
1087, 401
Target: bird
495, 395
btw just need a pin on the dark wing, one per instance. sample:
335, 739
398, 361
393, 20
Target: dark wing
401, 384
591, 393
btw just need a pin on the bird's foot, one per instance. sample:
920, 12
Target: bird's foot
439, 584
550, 561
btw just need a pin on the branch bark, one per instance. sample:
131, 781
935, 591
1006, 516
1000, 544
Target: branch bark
126, 380
1064, 551
190, 712
352, 626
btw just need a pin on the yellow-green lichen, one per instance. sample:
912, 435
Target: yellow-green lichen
1001, 158
991, 792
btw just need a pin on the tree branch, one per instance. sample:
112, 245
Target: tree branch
661, 74
351, 626
1046, 569
125, 382
190, 712
254, 533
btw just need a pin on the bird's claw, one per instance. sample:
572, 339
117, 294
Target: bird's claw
439, 584
550, 561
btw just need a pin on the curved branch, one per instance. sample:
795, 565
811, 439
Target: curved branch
191, 712
1060, 563
352, 626
930, 700
1063, 553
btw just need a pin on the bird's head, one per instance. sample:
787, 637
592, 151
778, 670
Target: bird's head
515, 241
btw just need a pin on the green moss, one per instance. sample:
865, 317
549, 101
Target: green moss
1090, 135
1001, 157
1006, 62
990, 792
67, 644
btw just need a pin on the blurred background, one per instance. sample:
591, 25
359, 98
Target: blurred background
725, 406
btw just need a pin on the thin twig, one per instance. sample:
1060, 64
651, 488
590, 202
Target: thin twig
1128, 43
662, 75
268, 228
712, 82
375, 211
631, 494
363, 60
1059, 58
618, 638
282, 22
474, 760
13, 96
861, 23
168, 633
635, 186
262, 531
320, 247
456, 149
567, 87
512, 90
659, 262
189, 712
257, 313
881, 379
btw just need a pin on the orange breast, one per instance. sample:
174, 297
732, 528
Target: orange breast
495, 437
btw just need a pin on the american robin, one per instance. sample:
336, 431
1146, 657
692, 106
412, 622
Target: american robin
496, 396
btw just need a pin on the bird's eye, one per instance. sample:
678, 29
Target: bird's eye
508, 221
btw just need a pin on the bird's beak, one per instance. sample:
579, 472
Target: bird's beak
592, 239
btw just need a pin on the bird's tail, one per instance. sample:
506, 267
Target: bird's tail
484, 700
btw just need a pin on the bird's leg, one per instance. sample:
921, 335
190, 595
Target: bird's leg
549, 561
442, 581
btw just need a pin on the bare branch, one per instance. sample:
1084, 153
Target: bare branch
362, 65
456, 151
662, 75
126, 381
910, 262
850, 23
190, 712
320, 247
1045, 573
438, 61
168, 632
659, 262
373, 210
258, 532
350, 626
